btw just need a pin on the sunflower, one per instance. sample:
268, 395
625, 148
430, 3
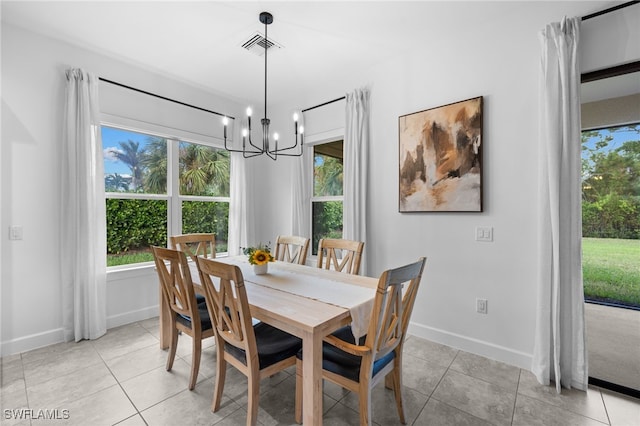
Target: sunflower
260, 257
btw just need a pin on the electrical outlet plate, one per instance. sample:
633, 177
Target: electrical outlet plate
481, 306
484, 234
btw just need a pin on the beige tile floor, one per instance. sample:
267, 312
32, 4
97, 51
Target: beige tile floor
120, 379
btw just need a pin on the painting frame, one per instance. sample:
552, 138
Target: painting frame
440, 158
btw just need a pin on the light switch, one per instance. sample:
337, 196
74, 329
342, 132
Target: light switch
15, 232
484, 234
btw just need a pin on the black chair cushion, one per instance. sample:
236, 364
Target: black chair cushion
205, 321
345, 364
200, 298
273, 344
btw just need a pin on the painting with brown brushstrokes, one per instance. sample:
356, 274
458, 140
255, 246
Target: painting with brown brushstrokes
441, 158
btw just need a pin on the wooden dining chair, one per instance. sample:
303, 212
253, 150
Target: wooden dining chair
193, 245
256, 351
292, 249
186, 314
359, 366
198, 244
340, 255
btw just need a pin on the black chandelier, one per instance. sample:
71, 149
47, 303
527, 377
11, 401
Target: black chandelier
250, 149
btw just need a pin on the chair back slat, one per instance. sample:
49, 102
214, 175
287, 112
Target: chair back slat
349, 259
230, 311
175, 279
292, 249
391, 312
198, 244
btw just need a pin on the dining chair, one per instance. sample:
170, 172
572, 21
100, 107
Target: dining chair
198, 244
187, 316
257, 351
292, 249
340, 255
193, 245
359, 366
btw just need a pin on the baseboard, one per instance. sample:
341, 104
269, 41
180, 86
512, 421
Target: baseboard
475, 346
132, 316
34, 341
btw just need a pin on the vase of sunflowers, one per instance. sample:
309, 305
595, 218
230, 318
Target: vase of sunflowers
259, 257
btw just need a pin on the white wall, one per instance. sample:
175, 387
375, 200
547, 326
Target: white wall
32, 100
497, 59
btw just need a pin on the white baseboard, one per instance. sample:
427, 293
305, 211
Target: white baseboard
33, 341
132, 316
475, 346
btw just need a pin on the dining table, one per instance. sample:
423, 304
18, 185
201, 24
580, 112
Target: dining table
305, 301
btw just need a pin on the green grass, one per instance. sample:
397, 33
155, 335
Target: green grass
128, 258
611, 270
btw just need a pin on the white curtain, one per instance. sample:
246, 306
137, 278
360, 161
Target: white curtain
560, 352
301, 178
356, 160
238, 217
83, 219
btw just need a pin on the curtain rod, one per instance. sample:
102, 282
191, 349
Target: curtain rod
326, 103
164, 98
611, 9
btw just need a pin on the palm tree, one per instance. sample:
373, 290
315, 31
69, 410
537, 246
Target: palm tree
117, 182
155, 161
132, 157
203, 170
328, 176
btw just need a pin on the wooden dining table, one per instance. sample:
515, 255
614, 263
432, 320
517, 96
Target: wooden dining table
274, 298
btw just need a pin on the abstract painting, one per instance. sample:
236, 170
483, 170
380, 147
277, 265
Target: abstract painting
441, 158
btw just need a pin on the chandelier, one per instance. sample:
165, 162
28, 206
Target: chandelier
249, 149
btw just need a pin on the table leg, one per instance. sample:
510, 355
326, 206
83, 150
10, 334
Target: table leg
312, 379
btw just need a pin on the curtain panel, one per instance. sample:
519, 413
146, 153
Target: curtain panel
356, 161
560, 352
83, 217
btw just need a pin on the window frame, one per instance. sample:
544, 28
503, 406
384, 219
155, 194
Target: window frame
173, 197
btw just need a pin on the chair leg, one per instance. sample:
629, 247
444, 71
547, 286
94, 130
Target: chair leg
173, 345
388, 381
221, 371
195, 361
396, 377
254, 395
365, 406
298, 391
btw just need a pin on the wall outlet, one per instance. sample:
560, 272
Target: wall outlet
481, 306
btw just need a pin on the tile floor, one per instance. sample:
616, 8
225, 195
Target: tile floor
120, 379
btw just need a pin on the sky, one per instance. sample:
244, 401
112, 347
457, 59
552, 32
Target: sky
110, 140
619, 137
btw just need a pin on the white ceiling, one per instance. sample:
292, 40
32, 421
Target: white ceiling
199, 42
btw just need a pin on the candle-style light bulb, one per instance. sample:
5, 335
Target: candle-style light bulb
225, 121
295, 116
249, 111
301, 129
275, 137
244, 133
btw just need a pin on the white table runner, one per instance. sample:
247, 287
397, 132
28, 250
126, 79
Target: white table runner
355, 297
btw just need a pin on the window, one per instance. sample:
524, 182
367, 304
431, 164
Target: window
326, 203
611, 214
157, 186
